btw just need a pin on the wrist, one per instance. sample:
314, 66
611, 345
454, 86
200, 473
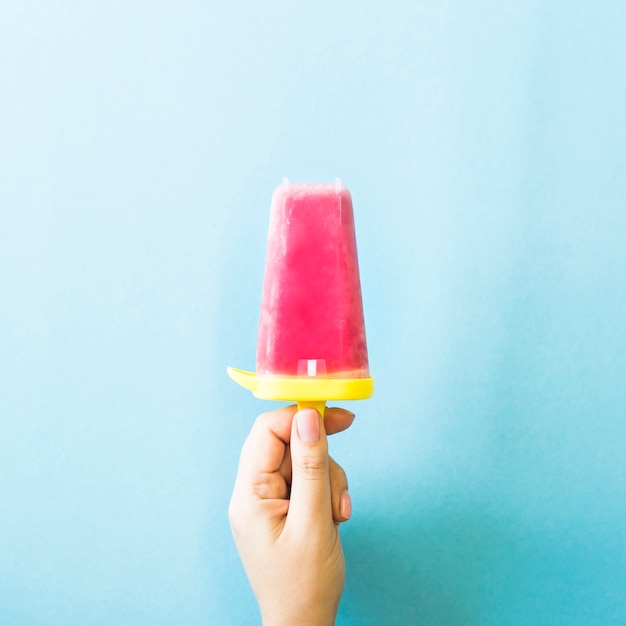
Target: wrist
309, 619
302, 622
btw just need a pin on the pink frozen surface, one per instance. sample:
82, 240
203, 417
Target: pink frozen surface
311, 310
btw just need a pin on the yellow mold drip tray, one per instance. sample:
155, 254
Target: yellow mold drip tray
297, 389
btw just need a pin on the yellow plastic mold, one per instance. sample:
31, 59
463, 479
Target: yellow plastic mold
305, 391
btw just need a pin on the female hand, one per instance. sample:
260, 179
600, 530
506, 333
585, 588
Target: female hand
288, 500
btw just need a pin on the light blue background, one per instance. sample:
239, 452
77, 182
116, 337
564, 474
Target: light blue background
485, 147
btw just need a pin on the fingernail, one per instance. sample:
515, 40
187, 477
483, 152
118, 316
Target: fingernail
345, 505
308, 424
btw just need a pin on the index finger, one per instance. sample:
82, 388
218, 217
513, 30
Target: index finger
264, 450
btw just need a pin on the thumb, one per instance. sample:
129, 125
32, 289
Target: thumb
310, 503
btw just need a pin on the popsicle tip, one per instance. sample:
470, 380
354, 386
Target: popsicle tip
337, 184
285, 183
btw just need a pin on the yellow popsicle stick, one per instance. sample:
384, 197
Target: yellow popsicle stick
320, 406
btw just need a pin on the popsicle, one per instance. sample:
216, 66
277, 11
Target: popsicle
311, 340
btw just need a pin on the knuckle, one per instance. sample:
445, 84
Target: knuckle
238, 519
238, 510
234, 512
310, 466
262, 419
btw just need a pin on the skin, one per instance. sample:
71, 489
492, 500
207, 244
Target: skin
287, 504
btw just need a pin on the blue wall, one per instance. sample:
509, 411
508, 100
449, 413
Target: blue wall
485, 147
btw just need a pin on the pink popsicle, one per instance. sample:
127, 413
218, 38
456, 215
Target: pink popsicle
311, 320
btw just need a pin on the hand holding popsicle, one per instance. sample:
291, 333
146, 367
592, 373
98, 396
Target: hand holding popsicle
289, 495
288, 500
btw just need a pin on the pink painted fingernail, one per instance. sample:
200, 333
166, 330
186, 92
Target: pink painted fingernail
345, 505
308, 424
